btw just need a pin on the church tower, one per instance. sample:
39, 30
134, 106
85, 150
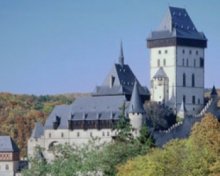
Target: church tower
179, 50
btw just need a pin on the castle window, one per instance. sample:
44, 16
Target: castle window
183, 51
201, 62
198, 101
159, 52
158, 62
6, 167
187, 62
103, 133
49, 135
62, 135
184, 79
166, 51
184, 99
194, 62
193, 80
183, 62
164, 62
78, 134
108, 134
190, 52
193, 99
90, 134
197, 52
112, 80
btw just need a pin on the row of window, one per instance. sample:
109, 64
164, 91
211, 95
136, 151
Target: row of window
193, 99
185, 62
78, 134
192, 80
183, 51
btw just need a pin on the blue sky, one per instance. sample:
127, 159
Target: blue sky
54, 46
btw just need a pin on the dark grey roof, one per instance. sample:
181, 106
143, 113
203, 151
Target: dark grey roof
38, 130
87, 108
7, 144
177, 23
135, 105
160, 73
123, 82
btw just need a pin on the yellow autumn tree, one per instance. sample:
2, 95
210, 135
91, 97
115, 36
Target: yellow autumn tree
199, 155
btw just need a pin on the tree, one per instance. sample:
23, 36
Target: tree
199, 155
160, 116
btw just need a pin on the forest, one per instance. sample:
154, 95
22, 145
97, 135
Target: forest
18, 113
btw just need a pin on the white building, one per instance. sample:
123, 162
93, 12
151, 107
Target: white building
177, 62
94, 116
9, 156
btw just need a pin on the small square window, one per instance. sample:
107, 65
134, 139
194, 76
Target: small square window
159, 52
166, 51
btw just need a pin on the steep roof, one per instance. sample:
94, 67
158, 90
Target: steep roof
7, 144
177, 23
119, 81
86, 108
160, 73
38, 130
135, 105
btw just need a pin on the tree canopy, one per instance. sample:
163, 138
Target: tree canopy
196, 156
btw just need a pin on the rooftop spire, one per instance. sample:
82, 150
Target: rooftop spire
136, 105
121, 56
214, 92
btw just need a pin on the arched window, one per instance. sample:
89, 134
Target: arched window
187, 62
193, 80
194, 62
6, 167
183, 62
158, 62
164, 62
193, 99
49, 135
184, 99
184, 79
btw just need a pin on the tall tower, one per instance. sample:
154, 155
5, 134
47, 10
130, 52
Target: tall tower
178, 48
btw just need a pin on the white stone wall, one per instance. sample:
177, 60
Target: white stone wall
136, 121
168, 54
10, 170
174, 67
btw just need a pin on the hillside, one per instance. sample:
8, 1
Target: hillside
18, 113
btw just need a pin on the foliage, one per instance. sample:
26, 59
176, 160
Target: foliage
19, 112
94, 157
160, 116
199, 155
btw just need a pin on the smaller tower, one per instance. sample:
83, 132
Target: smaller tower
182, 111
160, 86
136, 111
213, 93
35, 139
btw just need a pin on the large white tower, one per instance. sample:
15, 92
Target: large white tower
178, 48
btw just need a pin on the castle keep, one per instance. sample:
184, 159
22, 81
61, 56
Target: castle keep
177, 53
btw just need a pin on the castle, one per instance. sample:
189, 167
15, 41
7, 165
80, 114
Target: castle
177, 81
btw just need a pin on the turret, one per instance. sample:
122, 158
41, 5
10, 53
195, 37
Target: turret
214, 93
182, 111
136, 112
